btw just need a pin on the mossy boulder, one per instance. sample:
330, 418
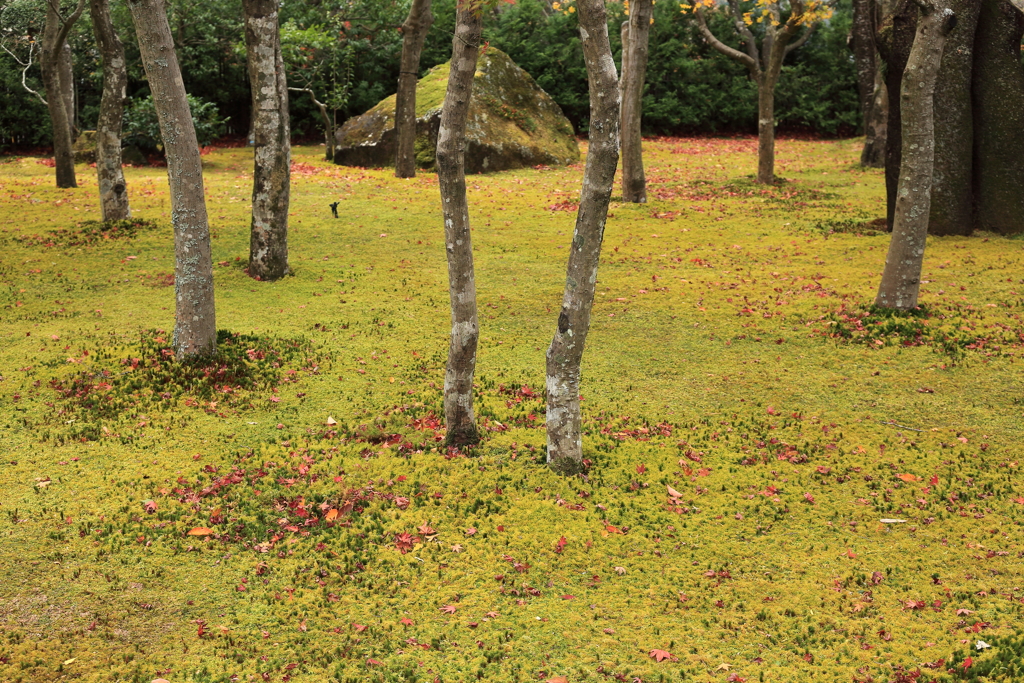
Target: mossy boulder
512, 123
85, 147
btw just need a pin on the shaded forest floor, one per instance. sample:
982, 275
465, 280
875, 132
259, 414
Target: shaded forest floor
288, 513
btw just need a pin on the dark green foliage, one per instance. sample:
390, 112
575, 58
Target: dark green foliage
142, 129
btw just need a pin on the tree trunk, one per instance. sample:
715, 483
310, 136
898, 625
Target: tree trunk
66, 78
271, 178
876, 125
414, 33
634, 184
999, 119
894, 40
765, 130
952, 211
901, 279
862, 44
113, 192
451, 174
53, 67
565, 448
195, 326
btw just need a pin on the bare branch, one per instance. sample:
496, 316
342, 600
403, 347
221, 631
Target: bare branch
26, 66
741, 57
67, 24
740, 26
801, 40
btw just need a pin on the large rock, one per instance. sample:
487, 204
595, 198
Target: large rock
512, 123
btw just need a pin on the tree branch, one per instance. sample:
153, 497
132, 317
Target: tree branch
24, 71
744, 59
801, 40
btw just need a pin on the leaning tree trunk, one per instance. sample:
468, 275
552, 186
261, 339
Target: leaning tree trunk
414, 33
999, 119
634, 73
565, 447
55, 33
901, 279
195, 326
862, 44
952, 211
451, 175
271, 177
894, 40
113, 192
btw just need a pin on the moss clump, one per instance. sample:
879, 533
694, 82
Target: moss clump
90, 232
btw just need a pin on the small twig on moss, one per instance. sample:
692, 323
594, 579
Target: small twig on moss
890, 423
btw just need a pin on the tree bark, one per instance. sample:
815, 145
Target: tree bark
765, 131
876, 128
862, 44
634, 73
952, 211
195, 326
414, 33
894, 40
999, 119
451, 174
564, 356
271, 178
54, 64
113, 191
901, 279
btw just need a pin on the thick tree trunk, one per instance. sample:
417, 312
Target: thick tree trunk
451, 174
952, 211
894, 40
271, 178
862, 44
765, 130
876, 126
901, 279
634, 73
54, 64
414, 33
999, 119
113, 192
195, 326
564, 357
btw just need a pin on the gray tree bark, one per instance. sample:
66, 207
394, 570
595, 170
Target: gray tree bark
113, 191
54, 66
414, 33
565, 355
634, 74
765, 65
894, 39
901, 279
999, 119
876, 126
870, 86
451, 174
271, 178
195, 325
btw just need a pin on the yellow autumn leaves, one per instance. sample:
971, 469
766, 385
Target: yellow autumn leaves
771, 11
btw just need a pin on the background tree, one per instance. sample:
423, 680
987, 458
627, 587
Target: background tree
271, 180
195, 326
565, 355
780, 24
58, 81
451, 175
634, 73
414, 33
113, 191
870, 82
901, 279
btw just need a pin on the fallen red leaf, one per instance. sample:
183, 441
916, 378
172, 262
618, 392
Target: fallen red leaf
200, 531
560, 545
662, 655
449, 609
909, 478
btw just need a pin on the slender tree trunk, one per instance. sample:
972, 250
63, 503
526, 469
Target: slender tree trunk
113, 192
765, 130
901, 279
862, 43
52, 65
564, 357
999, 119
451, 174
876, 125
195, 326
894, 40
952, 211
414, 33
271, 178
634, 183
66, 78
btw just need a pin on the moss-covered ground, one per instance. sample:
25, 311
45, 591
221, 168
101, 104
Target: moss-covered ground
784, 485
